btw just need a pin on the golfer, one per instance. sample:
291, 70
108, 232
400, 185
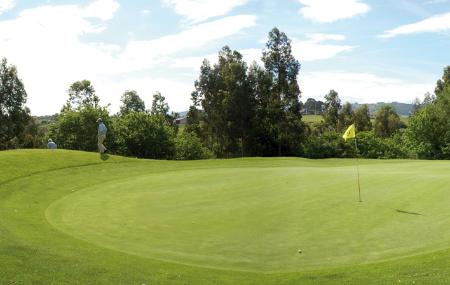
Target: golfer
101, 136
51, 144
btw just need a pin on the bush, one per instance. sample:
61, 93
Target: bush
77, 129
143, 135
331, 144
189, 147
327, 145
373, 146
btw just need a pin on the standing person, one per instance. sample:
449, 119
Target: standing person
51, 144
101, 136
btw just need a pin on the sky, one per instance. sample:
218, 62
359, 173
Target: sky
367, 50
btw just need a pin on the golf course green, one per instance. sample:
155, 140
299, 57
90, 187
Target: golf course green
70, 217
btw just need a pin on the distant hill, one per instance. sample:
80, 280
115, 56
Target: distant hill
403, 109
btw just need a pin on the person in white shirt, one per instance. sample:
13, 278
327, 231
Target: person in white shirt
51, 144
101, 135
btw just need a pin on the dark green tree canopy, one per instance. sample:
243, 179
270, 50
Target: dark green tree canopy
332, 106
345, 117
14, 116
131, 102
387, 121
82, 95
443, 83
361, 118
280, 62
159, 105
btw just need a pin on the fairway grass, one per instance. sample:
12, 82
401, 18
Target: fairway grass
74, 218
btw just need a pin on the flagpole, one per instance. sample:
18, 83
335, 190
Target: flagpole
357, 170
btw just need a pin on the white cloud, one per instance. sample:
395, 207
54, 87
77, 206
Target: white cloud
137, 56
327, 11
437, 23
45, 44
102, 9
177, 92
361, 87
315, 48
431, 2
200, 10
6, 5
194, 62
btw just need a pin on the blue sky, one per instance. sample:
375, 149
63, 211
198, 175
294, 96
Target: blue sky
367, 50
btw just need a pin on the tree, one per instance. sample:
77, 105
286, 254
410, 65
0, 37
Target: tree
193, 119
131, 102
313, 107
444, 83
416, 105
265, 130
145, 136
345, 117
428, 130
189, 147
77, 129
81, 95
34, 135
14, 116
285, 104
361, 117
159, 105
387, 121
332, 107
224, 93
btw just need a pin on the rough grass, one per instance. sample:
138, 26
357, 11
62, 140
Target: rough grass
74, 218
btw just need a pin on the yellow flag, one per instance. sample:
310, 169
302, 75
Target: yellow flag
349, 133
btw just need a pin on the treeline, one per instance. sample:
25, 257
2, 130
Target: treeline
237, 110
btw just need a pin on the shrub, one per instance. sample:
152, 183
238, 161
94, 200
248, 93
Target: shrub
189, 147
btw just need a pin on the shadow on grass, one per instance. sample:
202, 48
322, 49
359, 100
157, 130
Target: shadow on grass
409, 213
104, 156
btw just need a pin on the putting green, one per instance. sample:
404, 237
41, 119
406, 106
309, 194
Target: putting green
69, 217
255, 217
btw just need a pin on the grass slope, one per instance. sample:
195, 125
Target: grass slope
73, 218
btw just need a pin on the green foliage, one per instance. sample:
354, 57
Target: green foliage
193, 119
14, 116
313, 107
332, 106
82, 95
77, 129
345, 117
327, 145
143, 135
189, 147
331, 144
372, 146
34, 135
284, 106
429, 128
387, 121
159, 105
224, 93
361, 117
429, 132
131, 102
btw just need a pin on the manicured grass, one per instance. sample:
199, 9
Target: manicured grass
74, 218
312, 118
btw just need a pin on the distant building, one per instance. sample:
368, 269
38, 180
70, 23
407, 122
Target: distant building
181, 121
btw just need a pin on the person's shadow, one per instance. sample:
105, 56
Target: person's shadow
104, 156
